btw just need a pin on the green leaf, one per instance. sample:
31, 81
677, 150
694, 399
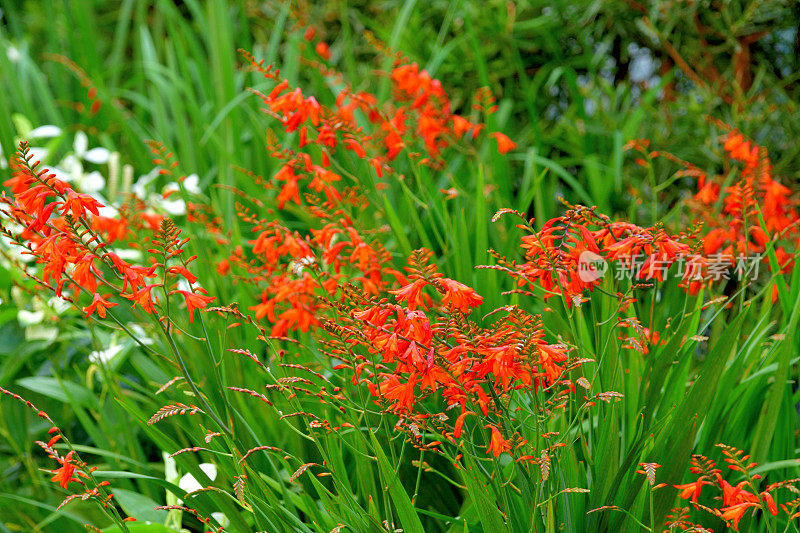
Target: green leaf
139, 506
676, 441
765, 429
482, 499
62, 391
119, 474
405, 510
143, 527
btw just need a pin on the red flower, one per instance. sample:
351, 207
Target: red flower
459, 296
498, 444
78, 203
85, 274
460, 423
63, 475
98, 304
504, 144
143, 298
290, 191
735, 512
323, 50
411, 294
194, 301
692, 489
401, 393
183, 271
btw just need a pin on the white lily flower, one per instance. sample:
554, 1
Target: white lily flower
13, 54
58, 305
192, 184
61, 174
189, 484
45, 132
15, 251
108, 211
98, 156
29, 318
129, 254
140, 187
140, 333
92, 183
40, 333
105, 356
80, 145
221, 519
175, 207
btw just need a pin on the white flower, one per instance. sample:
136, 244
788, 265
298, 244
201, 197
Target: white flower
40, 333
38, 153
13, 54
80, 145
140, 333
58, 305
14, 250
105, 356
98, 156
92, 182
175, 207
298, 266
129, 254
140, 187
189, 484
45, 132
192, 183
61, 174
73, 169
108, 211
221, 519
29, 318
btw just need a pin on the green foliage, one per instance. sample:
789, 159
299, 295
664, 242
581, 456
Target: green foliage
567, 93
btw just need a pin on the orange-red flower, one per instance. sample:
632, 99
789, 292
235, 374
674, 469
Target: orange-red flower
85, 274
194, 301
735, 512
323, 50
504, 144
143, 298
459, 296
77, 203
401, 393
98, 304
411, 294
459, 425
63, 475
498, 444
692, 490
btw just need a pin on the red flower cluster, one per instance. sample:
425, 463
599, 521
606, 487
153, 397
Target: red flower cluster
64, 231
736, 499
428, 345
755, 191
754, 195
564, 256
420, 110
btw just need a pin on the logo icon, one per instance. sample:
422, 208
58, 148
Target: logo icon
591, 266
